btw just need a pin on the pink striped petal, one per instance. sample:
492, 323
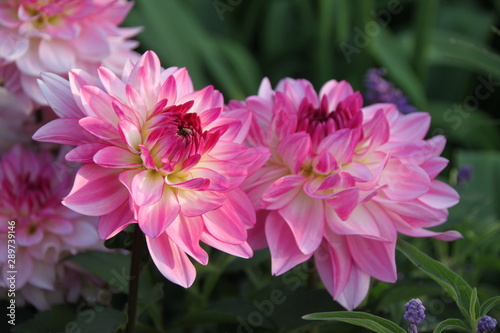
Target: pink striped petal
282, 191
195, 203
171, 261
97, 191
242, 250
57, 92
65, 131
306, 217
84, 153
100, 128
145, 78
285, 253
226, 224
147, 187
375, 258
294, 149
155, 218
440, 196
186, 233
100, 104
131, 134
114, 222
116, 157
355, 290
404, 181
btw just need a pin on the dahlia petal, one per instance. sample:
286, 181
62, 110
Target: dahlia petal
12, 45
202, 100
155, 218
147, 187
195, 203
226, 224
96, 191
112, 83
57, 55
131, 134
257, 234
171, 261
84, 153
285, 253
360, 222
217, 181
43, 276
294, 149
114, 222
196, 184
242, 250
434, 166
57, 92
136, 101
100, 128
359, 171
355, 290
145, 78
282, 191
65, 131
99, 103
440, 196
333, 262
375, 258
77, 79
116, 157
168, 91
30, 63
305, 216
92, 43
340, 144
227, 150
186, 233
324, 162
404, 181
84, 235
411, 127
344, 202
335, 92
25, 237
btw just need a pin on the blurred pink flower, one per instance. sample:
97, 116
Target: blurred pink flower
59, 35
45, 231
157, 153
341, 182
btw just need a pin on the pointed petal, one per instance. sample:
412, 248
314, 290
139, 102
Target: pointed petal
155, 218
186, 233
116, 157
171, 261
285, 253
294, 149
97, 191
305, 216
355, 290
147, 187
114, 222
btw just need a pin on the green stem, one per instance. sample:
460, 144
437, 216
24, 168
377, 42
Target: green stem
213, 278
425, 18
133, 286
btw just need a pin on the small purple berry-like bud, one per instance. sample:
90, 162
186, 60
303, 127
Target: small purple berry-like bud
464, 174
486, 324
379, 90
415, 311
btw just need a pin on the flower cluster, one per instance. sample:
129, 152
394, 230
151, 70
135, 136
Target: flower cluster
55, 36
45, 231
342, 181
486, 324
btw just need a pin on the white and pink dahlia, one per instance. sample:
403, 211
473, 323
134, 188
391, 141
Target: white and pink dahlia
45, 232
58, 35
342, 182
157, 153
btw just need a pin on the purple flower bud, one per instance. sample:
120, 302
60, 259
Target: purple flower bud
464, 174
379, 90
486, 324
415, 311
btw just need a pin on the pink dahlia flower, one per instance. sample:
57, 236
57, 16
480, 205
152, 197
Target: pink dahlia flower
45, 231
58, 35
341, 182
157, 153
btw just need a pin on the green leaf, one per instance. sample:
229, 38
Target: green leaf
451, 323
489, 304
454, 285
366, 320
98, 319
57, 319
473, 302
112, 268
386, 49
